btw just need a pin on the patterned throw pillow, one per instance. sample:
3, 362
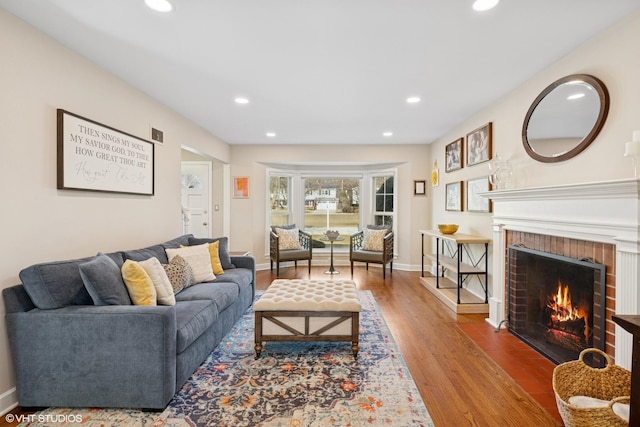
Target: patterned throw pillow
179, 273
289, 239
373, 240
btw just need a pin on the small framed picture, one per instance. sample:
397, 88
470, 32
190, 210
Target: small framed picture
479, 145
419, 188
453, 196
453, 156
241, 187
475, 202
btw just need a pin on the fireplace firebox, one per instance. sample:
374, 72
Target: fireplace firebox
556, 303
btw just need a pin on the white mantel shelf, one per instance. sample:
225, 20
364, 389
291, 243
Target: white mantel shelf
607, 212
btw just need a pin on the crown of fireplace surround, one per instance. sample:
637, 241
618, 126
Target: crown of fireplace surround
604, 212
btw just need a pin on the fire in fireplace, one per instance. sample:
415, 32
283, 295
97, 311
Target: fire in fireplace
556, 303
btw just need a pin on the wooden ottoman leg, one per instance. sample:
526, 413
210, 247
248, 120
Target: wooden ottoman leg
258, 334
355, 333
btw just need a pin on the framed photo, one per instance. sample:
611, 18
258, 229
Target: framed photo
453, 156
475, 202
453, 196
241, 187
96, 157
419, 188
479, 145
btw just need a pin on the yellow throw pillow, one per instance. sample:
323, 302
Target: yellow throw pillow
216, 265
139, 284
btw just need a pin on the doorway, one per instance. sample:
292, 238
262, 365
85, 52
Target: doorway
196, 198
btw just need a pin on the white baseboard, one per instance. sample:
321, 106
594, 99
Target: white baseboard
8, 400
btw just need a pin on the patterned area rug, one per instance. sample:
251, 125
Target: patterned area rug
291, 384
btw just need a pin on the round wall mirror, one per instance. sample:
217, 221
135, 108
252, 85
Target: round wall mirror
565, 118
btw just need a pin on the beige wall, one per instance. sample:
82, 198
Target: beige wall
40, 223
248, 226
613, 57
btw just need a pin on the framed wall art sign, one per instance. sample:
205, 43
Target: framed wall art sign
475, 202
96, 157
453, 196
453, 155
419, 188
479, 145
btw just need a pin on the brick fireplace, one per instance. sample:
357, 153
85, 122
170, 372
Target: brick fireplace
599, 221
566, 264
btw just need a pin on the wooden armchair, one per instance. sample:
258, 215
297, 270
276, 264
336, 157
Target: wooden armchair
281, 248
366, 247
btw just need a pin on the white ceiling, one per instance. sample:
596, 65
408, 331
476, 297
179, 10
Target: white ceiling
323, 71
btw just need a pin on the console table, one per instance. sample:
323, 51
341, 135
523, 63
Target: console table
453, 254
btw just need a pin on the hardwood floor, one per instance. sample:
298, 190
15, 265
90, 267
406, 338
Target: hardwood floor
459, 383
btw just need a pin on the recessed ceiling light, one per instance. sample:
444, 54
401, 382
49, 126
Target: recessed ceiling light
413, 99
159, 5
271, 134
241, 100
387, 134
483, 5
575, 96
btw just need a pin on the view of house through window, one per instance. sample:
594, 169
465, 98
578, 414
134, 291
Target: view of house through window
318, 203
332, 204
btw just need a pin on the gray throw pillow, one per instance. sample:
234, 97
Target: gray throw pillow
103, 280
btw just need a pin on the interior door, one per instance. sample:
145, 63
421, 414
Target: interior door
196, 198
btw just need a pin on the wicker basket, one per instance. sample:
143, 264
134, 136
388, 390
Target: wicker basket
576, 378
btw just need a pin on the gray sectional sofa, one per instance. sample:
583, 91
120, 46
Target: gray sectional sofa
69, 352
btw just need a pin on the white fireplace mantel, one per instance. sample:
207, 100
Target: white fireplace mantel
607, 212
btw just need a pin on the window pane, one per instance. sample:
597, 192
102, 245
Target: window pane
279, 199
383, 208
332, 204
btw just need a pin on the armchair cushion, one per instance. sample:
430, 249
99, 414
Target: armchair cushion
373, 240
288, 238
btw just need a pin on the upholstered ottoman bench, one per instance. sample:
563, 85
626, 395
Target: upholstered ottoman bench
308, 310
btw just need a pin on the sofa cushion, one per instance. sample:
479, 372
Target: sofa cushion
198, 258
161, 282
223, 249
139, 284
239, 276
179, 274
178, 242
103, 280
192, 319
156, 251
223, 294
43, 284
